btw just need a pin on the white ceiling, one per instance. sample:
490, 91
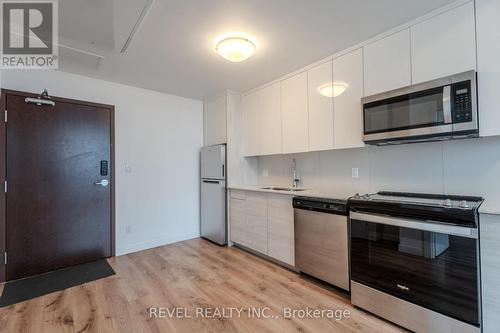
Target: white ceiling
172, 50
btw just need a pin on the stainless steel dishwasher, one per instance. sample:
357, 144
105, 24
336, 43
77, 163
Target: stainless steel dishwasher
321, 239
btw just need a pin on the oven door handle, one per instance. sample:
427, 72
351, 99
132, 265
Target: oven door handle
417, 224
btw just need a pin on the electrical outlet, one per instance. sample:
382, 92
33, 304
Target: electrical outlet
128, 229
355, 173
265, 173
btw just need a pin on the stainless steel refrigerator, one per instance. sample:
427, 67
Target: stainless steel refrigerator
213, 194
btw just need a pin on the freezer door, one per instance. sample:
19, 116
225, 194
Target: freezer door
213, 210
213, 162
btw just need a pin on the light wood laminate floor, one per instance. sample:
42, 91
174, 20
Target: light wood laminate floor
190, 274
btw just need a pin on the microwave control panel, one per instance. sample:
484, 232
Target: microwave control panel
462, 102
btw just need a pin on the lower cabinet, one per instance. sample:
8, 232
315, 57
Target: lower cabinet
490, 271
256, 221
237, 216
280, 235
264, 223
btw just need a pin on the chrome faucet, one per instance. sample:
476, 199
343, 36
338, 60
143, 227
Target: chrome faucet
296, 179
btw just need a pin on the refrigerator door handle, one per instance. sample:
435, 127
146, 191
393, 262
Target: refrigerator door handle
211, 181
223, 171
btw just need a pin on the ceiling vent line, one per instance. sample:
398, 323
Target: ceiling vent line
100, 56
137, 25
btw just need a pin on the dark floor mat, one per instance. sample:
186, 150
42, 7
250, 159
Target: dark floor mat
39, 285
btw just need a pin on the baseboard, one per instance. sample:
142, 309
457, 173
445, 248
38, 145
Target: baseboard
121, 250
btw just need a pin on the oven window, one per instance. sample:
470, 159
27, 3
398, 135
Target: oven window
433, 270
421, 109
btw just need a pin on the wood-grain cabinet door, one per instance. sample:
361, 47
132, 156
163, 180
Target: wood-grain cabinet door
256, 221
280, 228
490, 271
237, 216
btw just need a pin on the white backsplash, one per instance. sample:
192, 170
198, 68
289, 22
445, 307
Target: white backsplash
466, 167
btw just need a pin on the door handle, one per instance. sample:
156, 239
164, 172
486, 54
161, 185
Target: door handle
447, 105
211, 181
103, 183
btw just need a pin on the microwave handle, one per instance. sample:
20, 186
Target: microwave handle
447, 104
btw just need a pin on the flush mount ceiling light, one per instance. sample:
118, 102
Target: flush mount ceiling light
234, 47
332, 90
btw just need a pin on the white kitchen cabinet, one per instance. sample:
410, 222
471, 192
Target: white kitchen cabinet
223, 123
294, 114
280, 234
444, 44
347, 120
214, 120
490, 271
320, 107
488, 55
262, 121
387, 64
251, 116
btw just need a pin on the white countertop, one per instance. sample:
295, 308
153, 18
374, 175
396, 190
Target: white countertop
487, 207
490, 207
305, 193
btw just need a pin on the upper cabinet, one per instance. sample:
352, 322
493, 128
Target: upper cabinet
319, 79
297, 115
488, 55
444, 45
387, 64
294, 114
214, 120
262, 119
347, 120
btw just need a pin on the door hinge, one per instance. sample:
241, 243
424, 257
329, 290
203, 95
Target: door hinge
5, 116
5, 258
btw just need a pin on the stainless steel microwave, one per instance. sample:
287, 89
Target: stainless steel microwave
436, 110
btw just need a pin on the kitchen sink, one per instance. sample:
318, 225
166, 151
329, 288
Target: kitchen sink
288, 189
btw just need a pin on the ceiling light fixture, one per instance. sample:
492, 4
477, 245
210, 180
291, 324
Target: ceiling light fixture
332, 89
235, 48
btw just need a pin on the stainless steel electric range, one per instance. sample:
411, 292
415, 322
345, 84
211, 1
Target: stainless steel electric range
415, 259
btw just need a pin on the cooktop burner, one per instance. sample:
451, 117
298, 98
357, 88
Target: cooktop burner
454, 209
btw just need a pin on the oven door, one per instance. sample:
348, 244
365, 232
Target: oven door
429, 264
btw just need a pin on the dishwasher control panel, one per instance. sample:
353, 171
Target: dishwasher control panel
333, 206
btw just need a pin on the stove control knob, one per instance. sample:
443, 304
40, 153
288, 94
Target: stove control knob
464, 204
447, 203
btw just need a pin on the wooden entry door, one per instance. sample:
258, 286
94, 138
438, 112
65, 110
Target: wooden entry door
56, 215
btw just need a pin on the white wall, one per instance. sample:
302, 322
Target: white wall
158, 136
468, 167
